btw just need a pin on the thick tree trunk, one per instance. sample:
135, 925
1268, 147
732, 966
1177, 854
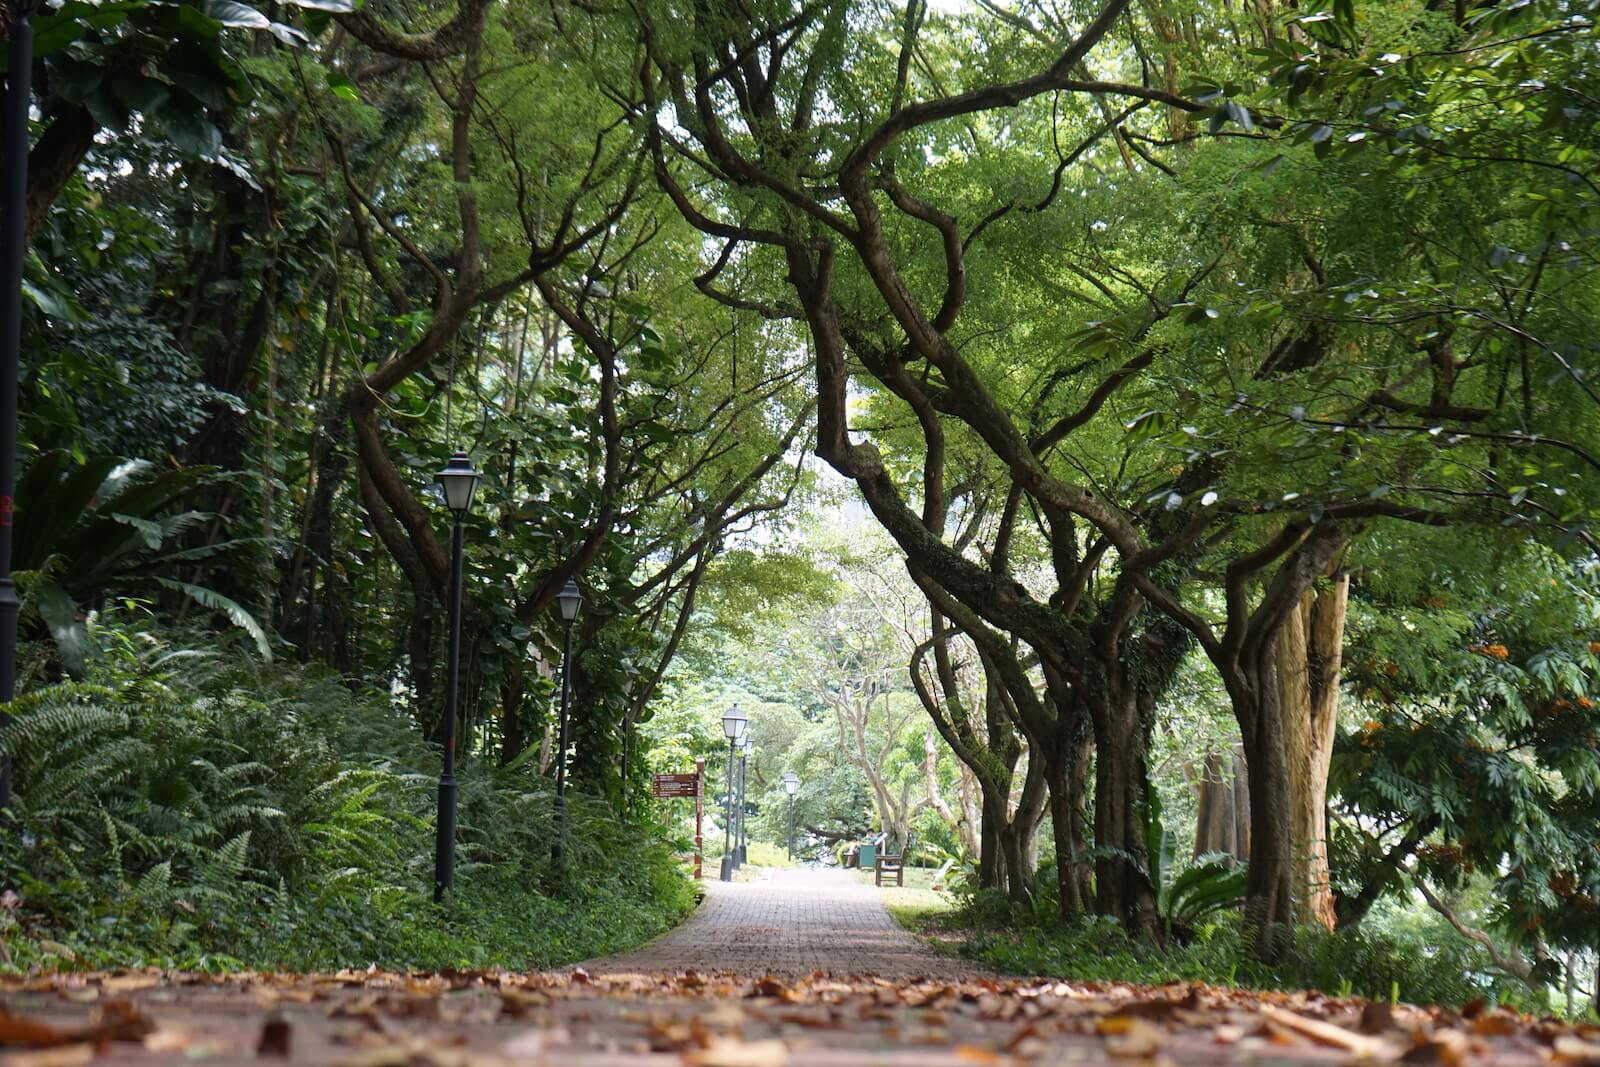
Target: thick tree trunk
54, 159
1066, 825
1214, 822
1222, 796
513, 737
989, 866
1015, 866
1241, 805
1122, 885
1078, 781
1269, 888
1307, 661
1019, 832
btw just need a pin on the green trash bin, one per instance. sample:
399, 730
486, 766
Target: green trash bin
867, 857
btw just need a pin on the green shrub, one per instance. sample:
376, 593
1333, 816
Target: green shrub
183, 808
1360, 962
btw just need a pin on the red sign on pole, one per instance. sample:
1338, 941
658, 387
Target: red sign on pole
670, 786
684, 786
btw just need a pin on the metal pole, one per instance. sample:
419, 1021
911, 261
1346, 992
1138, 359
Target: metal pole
558, 858
444, 855
699, 815
13, 244
738, 851
791, 826
727, 823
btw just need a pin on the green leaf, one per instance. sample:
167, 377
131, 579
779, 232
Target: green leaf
56, 31
210, 598
45, 301
60, 616
340, 85
152, 532
191, 131
237, 15
52, 495
146, 95
200, 72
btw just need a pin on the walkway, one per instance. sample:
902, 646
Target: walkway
791, 922
736, 986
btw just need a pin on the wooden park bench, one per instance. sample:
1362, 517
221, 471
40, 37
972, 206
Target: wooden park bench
893, 864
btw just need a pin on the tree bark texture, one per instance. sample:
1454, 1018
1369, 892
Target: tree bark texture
1308, 654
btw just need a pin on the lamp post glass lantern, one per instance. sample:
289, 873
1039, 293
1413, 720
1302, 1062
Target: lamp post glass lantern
569, 601
458, 479
733, 727
791, 785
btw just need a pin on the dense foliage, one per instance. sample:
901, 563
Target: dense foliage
1214, 386
188, 808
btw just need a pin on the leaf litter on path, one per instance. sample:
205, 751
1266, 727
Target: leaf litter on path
370, 1018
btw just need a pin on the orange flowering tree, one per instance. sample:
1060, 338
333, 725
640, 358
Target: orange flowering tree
1477, 756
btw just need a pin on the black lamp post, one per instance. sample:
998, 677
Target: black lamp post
741, 850
791, 785
459, 479
733, 725
569, 600
13, 244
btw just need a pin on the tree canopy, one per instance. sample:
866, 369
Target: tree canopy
1204, 371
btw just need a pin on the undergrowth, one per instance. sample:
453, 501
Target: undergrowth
193, 809
1371, 963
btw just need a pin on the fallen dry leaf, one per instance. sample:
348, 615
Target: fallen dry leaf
59, 1056
128, 983
1130, 1037
1321, 1033
119, 1020
1443, 1048
515, 1003
1494, 1024
1376, 1017
1227, 1033
169, 1040
733, 1053
419, 1053
726, 1015
1573, 1051
19, 1031
534, 1043
771, 987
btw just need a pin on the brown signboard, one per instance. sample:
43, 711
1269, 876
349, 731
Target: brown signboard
675, 785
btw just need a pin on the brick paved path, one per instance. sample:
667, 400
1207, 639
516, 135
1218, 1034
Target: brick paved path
676, 1004
791, 922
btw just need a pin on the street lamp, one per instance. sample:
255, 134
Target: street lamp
733, 726
741, 852
791, 785
569, 600
13, 245
458, 479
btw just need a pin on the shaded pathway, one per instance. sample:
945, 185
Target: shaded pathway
791, 922
738, 986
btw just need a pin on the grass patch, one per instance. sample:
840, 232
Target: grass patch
920, 908
1371, 964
